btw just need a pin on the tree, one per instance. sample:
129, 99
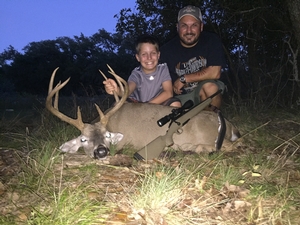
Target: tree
261, 44
258, 39
294, 11
79, 57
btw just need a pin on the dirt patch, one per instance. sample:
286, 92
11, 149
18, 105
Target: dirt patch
115, 177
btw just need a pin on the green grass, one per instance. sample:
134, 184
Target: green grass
261, 176
69, 206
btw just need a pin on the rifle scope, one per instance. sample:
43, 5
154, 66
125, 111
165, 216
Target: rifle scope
176, 113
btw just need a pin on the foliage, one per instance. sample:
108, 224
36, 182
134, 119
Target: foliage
260, 43
255, 184
79, 58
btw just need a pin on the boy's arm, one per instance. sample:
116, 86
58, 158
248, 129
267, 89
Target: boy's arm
131, 87
165, 94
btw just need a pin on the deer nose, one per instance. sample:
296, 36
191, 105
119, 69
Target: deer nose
101, 152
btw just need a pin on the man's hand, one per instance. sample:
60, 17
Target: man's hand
177, 86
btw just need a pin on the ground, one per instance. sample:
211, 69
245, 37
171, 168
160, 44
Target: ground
256, 183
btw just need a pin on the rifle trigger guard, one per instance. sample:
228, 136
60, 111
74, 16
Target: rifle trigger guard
178, 123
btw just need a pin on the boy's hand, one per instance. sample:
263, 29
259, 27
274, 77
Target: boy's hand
110, 86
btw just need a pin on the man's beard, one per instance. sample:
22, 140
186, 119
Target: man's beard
189, 43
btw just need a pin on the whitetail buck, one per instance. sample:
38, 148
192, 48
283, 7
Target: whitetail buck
135, 124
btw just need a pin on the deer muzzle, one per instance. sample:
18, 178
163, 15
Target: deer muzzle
100, 152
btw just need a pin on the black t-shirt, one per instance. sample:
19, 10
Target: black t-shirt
180, 60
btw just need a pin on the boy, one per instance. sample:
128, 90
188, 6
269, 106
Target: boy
150, 82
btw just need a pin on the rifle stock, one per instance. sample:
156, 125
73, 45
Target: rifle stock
155, 147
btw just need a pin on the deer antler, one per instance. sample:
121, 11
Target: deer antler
78, 123
112, 72
124, 89
54, 109
115, 93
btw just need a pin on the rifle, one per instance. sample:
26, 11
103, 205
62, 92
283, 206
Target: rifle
179, 117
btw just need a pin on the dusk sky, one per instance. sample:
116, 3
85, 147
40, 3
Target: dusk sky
23, 21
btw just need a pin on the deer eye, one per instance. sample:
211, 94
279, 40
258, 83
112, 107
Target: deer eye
83, 140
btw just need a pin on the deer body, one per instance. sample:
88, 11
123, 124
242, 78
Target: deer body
138, 123
135, 124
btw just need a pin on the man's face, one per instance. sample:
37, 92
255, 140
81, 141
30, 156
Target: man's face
189, 29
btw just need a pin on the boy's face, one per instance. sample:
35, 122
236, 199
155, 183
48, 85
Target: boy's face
148, 57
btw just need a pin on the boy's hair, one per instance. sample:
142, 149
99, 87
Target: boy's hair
146, 38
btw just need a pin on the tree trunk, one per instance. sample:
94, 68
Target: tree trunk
294, 11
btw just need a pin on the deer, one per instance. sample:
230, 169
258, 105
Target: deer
134, 124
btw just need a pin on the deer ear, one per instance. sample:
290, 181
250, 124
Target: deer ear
113, 138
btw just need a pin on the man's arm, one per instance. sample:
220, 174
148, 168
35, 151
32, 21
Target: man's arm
208, 73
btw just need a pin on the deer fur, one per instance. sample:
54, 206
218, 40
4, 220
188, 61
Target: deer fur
135, 124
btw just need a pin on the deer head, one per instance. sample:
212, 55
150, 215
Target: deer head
94, 138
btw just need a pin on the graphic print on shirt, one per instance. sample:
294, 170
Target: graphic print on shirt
191, 66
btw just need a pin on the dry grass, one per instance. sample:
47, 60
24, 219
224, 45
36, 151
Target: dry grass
256, 184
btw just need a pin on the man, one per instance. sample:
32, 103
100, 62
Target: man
194, 58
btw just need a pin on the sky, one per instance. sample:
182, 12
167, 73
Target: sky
25, 21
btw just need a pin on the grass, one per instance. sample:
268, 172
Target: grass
69, 206
255, 184
159, 191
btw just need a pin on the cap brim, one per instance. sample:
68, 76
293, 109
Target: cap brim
188, 15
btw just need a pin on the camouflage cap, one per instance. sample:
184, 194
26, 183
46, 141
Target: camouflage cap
191, 11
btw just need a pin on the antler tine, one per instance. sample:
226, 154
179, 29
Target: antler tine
103, 74
51, 88
112, 72
101, 114
119, 104
115, 94
56, 97
54, 110
52, 80
110, 68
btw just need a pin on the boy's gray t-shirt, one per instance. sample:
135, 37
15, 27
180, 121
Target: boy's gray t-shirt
148, 86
